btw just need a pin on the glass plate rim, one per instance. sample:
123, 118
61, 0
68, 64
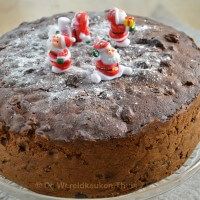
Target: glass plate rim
189, 168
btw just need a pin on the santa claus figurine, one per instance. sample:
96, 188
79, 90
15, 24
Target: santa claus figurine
59, 54
107, 63
120, 25
80, 27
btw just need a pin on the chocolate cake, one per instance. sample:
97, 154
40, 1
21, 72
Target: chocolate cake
62, 135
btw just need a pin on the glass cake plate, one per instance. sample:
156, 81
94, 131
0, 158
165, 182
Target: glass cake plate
191, 166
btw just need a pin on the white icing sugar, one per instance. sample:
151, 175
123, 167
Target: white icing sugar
27, 65
143, 27
146, 27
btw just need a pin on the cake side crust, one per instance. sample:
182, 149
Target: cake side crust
104, 168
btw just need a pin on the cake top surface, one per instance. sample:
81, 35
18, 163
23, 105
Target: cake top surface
166, 74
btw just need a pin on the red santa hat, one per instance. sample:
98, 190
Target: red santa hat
101, 45
116, 16
67, 41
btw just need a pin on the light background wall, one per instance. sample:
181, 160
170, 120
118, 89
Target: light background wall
13, 12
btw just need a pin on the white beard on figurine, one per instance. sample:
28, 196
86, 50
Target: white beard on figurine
107, 63
108, 59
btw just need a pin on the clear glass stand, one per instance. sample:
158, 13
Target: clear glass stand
186, 171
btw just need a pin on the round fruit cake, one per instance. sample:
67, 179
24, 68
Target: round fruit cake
64, 136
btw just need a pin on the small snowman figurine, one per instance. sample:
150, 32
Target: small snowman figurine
120, 26
63, 27
107, 63
59, 54
80, 27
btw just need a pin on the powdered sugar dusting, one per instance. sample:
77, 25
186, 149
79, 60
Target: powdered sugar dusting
143, 27
27, 65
